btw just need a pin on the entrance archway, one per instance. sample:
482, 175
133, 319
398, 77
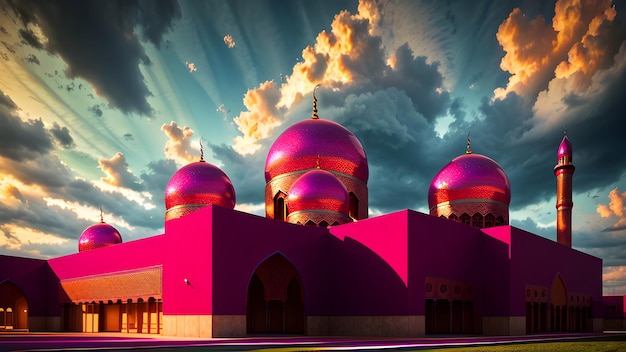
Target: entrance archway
275, 302
13, 307
558, 305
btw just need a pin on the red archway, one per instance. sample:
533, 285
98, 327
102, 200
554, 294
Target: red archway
275, 298
13, 307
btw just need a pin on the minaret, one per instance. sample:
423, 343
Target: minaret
564, 171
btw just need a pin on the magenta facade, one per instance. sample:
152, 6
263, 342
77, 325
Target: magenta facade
219, 272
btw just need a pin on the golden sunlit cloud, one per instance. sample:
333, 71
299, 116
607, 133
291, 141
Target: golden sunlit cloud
614, 277
88, 213
615, 207
178, 147
23, 236
229, 41
191, 67
336, 59
537, 52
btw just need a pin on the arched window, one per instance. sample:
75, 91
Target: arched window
354, 206
280, 208
490, 220
2, 323
310, 223
499, 221
465, 218
453, 218
477, 220
323, 224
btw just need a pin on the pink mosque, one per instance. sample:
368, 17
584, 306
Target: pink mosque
316, 264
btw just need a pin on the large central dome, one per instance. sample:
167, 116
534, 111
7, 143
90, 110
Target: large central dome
304, 144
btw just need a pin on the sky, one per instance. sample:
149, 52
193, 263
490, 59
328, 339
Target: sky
102, 101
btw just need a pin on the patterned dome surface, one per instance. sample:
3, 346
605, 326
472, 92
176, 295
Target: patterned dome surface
199, 183
470, 176
318, 190
98, 235
565, 149
309, 142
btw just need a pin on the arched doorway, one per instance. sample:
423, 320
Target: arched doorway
275, 298
14, 307
558, 305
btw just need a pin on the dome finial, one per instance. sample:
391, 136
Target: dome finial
314, 116
201, 150
468, 150
317, 162
101, 215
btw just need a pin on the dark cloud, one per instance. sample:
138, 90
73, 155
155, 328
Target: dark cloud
33, 59
423, 85
62, 135
97, 41
30, 39
96, 110
21, 140
246, 173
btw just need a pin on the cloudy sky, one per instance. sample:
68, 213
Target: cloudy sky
101, 102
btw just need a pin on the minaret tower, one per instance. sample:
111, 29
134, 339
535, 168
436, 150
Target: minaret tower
564, 171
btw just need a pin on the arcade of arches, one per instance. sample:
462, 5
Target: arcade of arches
477, 220
275, 299
13, 307
139, 316
550, 311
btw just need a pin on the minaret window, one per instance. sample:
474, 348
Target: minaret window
465, 218
280, 208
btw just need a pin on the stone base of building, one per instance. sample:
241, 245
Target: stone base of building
44, 323
375, 326
504, 326
613, 325
188, 325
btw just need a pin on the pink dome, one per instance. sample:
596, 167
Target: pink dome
199, 184
307, 143
318, 190
470, 177
565, 149
98, 235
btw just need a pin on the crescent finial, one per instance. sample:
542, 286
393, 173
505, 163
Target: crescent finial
201, 150
314, 116
468, 150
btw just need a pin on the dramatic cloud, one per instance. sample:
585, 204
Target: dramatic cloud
575, 42
62, 135
616, 207
117, 172
21, 140
110, 63
178, 147
229, 41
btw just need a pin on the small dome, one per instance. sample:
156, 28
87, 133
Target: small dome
305, 143
565, 149
318, 190
196, 185
470, 177
98, 235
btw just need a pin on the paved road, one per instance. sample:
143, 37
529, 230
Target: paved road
121, 342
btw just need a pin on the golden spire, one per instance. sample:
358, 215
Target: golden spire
101, 216
314, 116
317, 162
201, 150
468, 150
